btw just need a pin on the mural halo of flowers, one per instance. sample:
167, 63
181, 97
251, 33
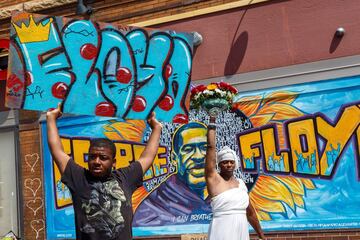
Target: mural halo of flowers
213, 98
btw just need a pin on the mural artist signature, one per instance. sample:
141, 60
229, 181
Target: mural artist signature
38, 91
13, 93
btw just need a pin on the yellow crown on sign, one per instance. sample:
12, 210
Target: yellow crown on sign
33, 32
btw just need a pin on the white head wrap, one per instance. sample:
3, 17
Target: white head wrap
226, 153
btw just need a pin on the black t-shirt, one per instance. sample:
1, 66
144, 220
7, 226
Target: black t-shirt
103, 208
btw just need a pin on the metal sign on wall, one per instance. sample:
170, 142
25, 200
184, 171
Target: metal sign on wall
299, 148
97, 68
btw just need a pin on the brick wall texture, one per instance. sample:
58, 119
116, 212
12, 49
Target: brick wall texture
31, 179
320, 235
121, 12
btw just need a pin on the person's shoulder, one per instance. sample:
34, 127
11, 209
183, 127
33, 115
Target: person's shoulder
241, 181
242, 184
133, 166
71, 164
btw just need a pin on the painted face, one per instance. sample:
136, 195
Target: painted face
227, 166
100, 161
191, 158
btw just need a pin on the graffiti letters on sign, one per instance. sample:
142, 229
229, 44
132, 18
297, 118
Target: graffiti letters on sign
304, 155
98, 69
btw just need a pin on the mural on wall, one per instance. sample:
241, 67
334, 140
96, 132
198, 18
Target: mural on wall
98, 68
299, 148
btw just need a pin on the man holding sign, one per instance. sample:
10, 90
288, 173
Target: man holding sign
102, 194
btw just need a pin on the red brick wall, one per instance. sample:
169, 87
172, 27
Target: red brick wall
123, 12
31, 179
321, 235
271, 35
5, 3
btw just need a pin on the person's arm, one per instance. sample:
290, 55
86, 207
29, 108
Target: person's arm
57, 151
211, 175
151, 149
254, 221
210, 163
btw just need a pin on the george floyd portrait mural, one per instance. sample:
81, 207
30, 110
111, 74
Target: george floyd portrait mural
299, 156
97, 68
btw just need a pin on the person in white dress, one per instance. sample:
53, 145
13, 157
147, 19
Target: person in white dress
230, 203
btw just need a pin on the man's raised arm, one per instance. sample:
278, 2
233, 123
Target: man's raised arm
57, 151
148, 155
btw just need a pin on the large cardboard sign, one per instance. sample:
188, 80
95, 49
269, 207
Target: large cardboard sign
299, 148
97, 68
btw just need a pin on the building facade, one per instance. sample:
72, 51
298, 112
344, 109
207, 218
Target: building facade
254, 45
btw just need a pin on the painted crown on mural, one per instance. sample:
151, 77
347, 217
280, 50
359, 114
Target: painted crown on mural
33, 32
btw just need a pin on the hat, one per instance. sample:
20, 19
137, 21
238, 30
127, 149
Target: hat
226, 153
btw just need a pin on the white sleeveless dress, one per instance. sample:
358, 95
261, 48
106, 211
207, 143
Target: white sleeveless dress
229, 220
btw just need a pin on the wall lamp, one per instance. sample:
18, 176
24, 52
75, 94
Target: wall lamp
83, 9
340, 31
198, 39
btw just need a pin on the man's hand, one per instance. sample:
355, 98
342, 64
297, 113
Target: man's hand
153, 122
54, 113
212, 119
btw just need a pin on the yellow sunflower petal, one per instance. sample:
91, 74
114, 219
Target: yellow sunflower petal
113, 136
295, 184
131, 130
280, 96
263, 216
139, 123
261, 120
299, 200
248, 105
108, 128
281, 111
309, 184
266, 205
137, 197
271, 188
